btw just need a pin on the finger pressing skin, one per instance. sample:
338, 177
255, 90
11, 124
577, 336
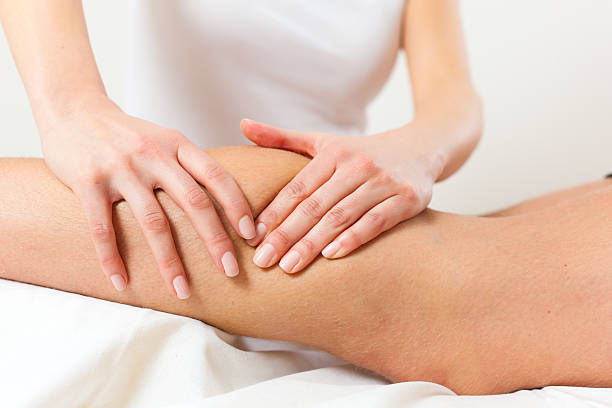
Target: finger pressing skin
272, 136
157, 232
334, 222
221, 185
377, 220
98, 210
310, 178
198, 206
302, 219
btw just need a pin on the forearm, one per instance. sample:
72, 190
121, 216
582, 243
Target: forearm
448, 110
51, 48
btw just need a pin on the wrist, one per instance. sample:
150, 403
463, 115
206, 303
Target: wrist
49, 113
451, 124
422, 147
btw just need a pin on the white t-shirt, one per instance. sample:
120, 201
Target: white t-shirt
199, 66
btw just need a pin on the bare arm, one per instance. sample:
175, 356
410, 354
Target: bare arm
104, 155
481, 305
357, 188
51, 48
448, 112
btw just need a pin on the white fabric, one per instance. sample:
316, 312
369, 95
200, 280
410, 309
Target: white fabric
64, 350
199, 66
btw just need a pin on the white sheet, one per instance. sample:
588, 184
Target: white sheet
63, 350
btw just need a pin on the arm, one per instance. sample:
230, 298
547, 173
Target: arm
448, 111
104, 155
51, 48
330, 206
480, 305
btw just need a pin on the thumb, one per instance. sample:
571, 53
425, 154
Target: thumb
271, 136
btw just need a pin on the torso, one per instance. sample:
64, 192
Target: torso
199, 66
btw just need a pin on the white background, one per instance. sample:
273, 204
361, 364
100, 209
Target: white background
543, 68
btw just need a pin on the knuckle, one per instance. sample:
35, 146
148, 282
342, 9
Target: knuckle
198, 199
143, 145
311, 207
375, 220
155, 221
109, 262
409, 193
308, 245
339, 151
217, 238
351, 239
384, 180
214, 172
94, 175
295, 190
171, 262
237, 203
364, 164
269, 216
281, 237
101, 232
119, 160
337, 217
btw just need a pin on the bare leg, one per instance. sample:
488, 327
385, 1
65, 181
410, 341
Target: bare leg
481, 305
552, 199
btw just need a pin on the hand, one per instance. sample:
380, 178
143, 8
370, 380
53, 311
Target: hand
352, 190
104, 156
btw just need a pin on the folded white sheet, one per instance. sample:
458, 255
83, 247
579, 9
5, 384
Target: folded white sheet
63, 350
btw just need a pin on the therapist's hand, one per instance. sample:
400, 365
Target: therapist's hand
352, 190
104, 156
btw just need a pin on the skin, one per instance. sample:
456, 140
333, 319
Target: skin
518, 299
316, 212
104, 155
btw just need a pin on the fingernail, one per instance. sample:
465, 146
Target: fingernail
264, 256
289, 261
246, 227
330, 250
260, 232
118, 282
230, 265
181, 287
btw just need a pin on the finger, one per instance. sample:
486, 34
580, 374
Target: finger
98, 210
310, 178
303, 218
198, 206
379, 219
157, 232
272, 136
334, 222
221, 185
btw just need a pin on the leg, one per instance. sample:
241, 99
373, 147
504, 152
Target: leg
552, 199
481, 305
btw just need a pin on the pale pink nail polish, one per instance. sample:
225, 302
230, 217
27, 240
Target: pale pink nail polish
181, 287
118, 282
246, 227
264, 256
230, 265
260, 233
289, 261
330, 250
